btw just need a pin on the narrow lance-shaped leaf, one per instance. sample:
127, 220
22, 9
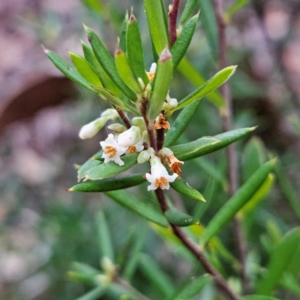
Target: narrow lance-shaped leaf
279, 261
189, 72
133, 258
124, 33
209, 86
111, 168
209, 24
108, 184
108, 64
94, 294
125, 71
108, 96
259, 195
235, 7
181, 122
192, 288
135, 52
95, 65
236, 202
183, 187
68, 70
190, 5
183, 41
136, 205
162, 82
207, 145
154, 274
84, 69
254, 155
89, 164
104, 238
157, 26
179, 218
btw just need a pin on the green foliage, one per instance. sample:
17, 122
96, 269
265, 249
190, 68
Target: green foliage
144, 105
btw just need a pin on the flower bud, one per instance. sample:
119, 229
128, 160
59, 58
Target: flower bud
91, 129
118, 128
110, 114
129, 137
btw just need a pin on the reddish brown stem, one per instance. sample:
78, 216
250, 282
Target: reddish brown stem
124, 118
160, 138
194, 249
173, 20
231, 151
150, 131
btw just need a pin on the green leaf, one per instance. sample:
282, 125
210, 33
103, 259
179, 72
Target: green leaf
162, 82
154, 274
183, 187
183, 41
280, 258
135, 51
94, 5
84, 69
93, 294
108, 184
235, 7
287, 189
157, 26
259, 297
291, 284
125, 71
111, 168
209, 86
189, 72
209, 24
133, 257
104, 237
254, 155
111, 98
84, 269
89, 164
108, 64
68, 70
192, 288
129, 201
188, 9
207, 145
236, 202
124, 33
95, 65
259, 195
179, 218
181, 122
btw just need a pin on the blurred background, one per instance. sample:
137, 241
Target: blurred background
44, 228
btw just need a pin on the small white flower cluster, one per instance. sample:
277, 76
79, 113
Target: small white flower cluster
127, 142
159, 177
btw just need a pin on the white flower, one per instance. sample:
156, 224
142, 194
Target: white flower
91, 129
129, 137
159, 177
112, 150
138, 147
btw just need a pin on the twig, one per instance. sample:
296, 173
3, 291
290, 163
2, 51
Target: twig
124, 118
160, 138
150, 131
172, 21
193, 248
231, 151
